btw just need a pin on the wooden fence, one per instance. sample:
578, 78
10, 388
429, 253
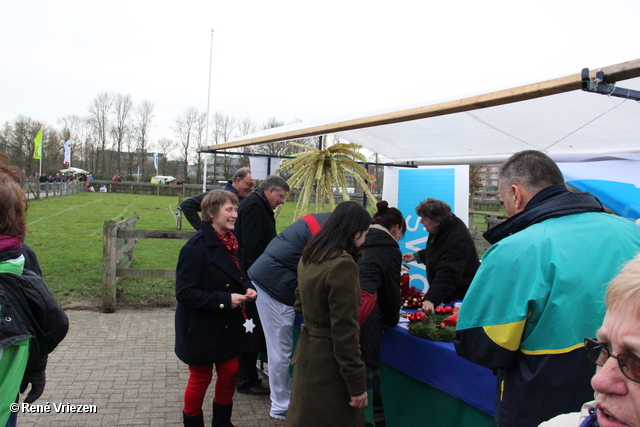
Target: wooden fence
119, 240
39, 190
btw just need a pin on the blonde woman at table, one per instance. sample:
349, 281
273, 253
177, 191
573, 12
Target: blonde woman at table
329, 387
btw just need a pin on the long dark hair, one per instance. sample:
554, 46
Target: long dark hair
337, 234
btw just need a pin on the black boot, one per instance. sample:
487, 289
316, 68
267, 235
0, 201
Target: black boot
195, 421
222, 415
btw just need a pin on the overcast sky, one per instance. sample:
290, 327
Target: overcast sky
294, 59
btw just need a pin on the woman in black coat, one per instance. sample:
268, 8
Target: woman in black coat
451, 258
211, 288
380, 281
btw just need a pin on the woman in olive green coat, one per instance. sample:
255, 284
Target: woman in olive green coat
329, 387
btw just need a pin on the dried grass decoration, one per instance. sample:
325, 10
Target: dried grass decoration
325, 171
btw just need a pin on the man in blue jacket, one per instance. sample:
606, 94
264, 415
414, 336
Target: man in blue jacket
539, 291
275, 277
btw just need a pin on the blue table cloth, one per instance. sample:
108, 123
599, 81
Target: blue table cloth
438, 365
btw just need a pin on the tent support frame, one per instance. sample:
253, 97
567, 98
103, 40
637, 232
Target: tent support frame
598, 85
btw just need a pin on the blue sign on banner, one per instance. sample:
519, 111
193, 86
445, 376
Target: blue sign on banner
414, 186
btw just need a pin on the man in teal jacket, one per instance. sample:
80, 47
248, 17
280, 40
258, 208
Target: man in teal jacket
540, 291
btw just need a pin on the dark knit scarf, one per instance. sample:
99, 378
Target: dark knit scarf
11, 259
9, 243
230, 243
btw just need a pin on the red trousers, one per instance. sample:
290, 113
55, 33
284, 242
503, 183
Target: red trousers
199, 379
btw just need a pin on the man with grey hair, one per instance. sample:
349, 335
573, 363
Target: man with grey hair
241, 184
540, 291
255, 227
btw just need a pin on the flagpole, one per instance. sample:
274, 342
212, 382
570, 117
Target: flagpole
206, 136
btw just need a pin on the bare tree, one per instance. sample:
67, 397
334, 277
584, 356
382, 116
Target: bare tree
283, 148
121, 129
476, 173
144, 117
223, 129
20, 141
77, 130
199, 133
53, 145
5, 135
246, 126
100, 111
185, 126
164, 146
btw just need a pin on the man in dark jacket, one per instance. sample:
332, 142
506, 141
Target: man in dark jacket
254, 229
275, 277
242, 184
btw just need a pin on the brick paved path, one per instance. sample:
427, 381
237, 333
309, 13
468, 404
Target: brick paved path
124, 364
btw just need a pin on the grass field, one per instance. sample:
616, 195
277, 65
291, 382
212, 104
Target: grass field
66, 234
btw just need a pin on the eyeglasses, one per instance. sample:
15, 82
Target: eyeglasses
249, 184
599, 353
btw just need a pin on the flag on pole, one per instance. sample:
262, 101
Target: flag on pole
37, 149
67, 152
155, 161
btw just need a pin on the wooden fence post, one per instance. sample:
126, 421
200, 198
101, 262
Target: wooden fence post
109, 266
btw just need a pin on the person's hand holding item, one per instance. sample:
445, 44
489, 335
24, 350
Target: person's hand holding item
359, 401
408, 257
237, 300
427, 307
251, 294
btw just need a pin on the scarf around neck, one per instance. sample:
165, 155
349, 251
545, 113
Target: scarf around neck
11, 263
230, 243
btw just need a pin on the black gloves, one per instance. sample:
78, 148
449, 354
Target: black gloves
37, 380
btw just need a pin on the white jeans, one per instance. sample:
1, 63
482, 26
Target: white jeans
277, 322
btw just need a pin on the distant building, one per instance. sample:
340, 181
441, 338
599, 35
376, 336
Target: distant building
489, 189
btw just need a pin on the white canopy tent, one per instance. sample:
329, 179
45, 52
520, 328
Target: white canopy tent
554, 116
73, 170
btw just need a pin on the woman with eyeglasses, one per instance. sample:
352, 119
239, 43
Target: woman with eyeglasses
616, 351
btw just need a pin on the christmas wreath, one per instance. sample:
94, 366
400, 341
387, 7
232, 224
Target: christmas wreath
438, 326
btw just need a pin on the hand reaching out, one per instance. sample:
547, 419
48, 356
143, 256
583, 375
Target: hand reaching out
427, 307
408, 258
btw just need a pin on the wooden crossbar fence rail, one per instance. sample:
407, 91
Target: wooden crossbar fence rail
119, 239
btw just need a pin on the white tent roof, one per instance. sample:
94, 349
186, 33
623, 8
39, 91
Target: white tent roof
554, 116
73, 170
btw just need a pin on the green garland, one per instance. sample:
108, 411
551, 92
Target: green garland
427, 328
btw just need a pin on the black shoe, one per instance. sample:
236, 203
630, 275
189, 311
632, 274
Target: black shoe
222, 415
195, 421
256, 390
